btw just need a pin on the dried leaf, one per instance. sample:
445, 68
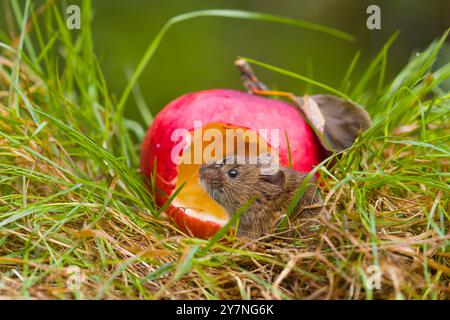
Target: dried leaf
338, 121
312, 111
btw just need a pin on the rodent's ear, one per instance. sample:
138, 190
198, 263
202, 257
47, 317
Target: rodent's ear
276, 178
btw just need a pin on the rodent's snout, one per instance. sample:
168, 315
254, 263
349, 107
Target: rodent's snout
211, 180
202, 171
209, 175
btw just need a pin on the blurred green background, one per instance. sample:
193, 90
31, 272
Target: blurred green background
199, 54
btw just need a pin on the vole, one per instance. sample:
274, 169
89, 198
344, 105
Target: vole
234, 181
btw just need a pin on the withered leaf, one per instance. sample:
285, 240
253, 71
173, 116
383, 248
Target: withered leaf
312, 111
339, 122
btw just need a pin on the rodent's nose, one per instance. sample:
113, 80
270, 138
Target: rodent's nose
202, 171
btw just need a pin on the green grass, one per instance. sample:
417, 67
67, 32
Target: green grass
71, 193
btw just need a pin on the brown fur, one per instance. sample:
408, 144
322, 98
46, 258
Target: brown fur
272, 189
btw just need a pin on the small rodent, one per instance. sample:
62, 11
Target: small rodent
233, 181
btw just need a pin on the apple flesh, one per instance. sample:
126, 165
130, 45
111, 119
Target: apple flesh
192, 209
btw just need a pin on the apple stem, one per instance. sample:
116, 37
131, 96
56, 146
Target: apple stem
257, 87
248, 78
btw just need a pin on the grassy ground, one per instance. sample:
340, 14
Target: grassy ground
72, 202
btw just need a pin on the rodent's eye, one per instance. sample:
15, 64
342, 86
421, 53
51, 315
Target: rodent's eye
233, 173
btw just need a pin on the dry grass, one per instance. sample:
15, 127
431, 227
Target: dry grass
70, 195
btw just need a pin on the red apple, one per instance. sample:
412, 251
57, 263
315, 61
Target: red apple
192, 209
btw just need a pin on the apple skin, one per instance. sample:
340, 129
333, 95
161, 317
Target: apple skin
230, 107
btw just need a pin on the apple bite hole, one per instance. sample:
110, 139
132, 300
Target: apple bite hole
207, 144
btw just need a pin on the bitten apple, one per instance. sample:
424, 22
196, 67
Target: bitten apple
220, 111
